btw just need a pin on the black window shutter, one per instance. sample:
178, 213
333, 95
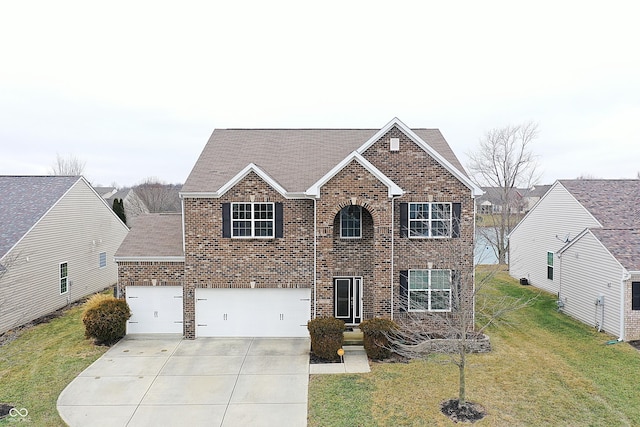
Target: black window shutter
456, 289
404, 219
279, 221
457, 214
404, 290
226, 220
635, 295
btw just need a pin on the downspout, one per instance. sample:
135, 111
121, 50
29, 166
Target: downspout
315, 258
625, 276
393, 221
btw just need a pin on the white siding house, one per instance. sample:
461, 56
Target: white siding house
582, 242
57, 242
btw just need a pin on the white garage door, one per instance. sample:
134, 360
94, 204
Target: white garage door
252, 312
154, 309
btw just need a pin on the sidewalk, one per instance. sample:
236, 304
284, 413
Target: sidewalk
355, 362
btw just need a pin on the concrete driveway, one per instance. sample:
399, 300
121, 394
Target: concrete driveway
168, 381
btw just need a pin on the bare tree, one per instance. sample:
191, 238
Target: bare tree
157, 196
504, 161
452, 316
67, 166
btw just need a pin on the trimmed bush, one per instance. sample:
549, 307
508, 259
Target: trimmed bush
105, 318
375, 339
327, 336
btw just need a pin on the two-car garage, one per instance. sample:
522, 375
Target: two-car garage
273, 312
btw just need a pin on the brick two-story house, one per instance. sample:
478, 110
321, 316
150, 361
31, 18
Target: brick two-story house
279, 226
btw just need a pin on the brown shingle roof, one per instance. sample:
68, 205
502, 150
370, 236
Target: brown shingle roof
153, 236
294, 158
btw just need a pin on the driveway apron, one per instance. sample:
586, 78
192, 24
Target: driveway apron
148, 380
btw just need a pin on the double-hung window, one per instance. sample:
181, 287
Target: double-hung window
252, 220
64, 278
429, 290
550, 265
351, 222
430, 220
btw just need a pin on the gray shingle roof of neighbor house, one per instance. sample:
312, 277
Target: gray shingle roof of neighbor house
623, 244
24, 200
615, 203
157, 235
294, 158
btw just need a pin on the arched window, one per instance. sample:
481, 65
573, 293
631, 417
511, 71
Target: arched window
351, 222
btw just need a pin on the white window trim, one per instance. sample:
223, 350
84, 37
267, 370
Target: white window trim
60, 277
550, 265
340, 214
100, 260
429, 290
253, 220
430, 220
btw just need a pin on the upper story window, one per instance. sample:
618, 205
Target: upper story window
64, 278
351, 222
102, 259
252, 220
430, 220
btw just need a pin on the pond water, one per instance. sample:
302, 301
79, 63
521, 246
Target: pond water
484, 253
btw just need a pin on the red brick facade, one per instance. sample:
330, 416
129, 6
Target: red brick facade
378, 257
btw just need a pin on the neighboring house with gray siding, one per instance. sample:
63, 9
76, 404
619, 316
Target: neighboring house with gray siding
57, 242
582, 242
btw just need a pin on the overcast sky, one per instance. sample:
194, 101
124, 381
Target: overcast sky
134, 89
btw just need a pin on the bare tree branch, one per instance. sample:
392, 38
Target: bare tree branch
158, 196
67, 166
505, 161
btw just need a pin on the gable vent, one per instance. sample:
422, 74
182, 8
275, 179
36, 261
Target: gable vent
394, 144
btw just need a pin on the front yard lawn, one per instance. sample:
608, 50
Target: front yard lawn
38, 365
545, 369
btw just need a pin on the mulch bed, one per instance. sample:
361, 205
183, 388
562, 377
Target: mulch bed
468, 413
315, 360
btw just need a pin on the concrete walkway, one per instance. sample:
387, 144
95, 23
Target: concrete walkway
168, 381
355, 362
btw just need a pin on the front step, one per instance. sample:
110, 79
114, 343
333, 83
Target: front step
354, 337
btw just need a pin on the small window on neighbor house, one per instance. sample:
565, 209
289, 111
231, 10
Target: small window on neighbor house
102, 259
351, 222
635, 295
550, 265
64, 278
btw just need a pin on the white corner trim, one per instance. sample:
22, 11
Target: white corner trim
393, 188
475, 190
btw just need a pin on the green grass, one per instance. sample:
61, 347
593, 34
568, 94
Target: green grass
38, 365
545, 369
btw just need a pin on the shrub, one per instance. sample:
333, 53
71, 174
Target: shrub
327, 336
105, 318
375, 340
